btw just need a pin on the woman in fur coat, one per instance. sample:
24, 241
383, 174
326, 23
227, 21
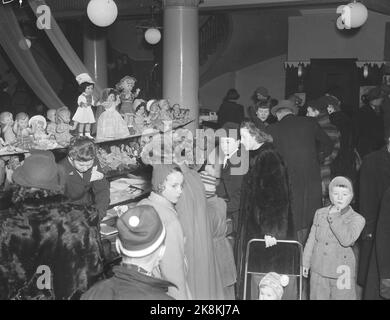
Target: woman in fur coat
265, 199
49, 248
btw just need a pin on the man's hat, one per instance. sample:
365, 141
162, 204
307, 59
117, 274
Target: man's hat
285, 104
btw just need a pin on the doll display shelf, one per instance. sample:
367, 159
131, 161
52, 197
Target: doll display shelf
10, 150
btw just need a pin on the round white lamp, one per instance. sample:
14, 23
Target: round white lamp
358, 14
152, 36
102, 12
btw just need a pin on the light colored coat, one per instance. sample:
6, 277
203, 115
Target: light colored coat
173, 264
329, 245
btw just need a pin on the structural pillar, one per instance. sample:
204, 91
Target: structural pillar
95, 52
181, 55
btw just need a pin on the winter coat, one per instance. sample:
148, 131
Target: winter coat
369, 131
374, 181
216, 209
230, 111
329, 245
48, 231
265, 204
199, 246
128, 283
379, 266
173, 264
301, 142
86, 190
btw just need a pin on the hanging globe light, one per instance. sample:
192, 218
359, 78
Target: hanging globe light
25, 44
102, 12
152, 35
358, 14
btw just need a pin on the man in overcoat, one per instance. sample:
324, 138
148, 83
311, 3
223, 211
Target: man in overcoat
302, 144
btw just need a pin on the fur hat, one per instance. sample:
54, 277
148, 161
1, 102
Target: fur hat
263, 91
140, 231
276, 282
84, 77
285, 104
39, 171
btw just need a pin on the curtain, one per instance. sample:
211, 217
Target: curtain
13, 42
61, 44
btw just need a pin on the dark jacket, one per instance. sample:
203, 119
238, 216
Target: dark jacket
344, 165
379, 266
129, 284
81, 190
230, 111
374, 181
48, 231
301, 143
265, 203
369, 129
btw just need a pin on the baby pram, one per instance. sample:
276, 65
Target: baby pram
283, 258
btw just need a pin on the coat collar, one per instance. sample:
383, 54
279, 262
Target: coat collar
130, 273
154, 197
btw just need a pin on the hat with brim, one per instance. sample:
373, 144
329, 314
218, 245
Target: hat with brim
39, 171
285, 104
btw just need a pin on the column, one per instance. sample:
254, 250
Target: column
181, 55
95, 52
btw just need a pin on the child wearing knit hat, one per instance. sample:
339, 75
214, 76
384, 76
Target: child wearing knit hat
328, 251
271, 286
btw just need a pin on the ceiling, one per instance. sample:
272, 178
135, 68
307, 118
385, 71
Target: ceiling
67, 9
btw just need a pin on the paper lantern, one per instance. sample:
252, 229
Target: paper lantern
152, 35
102, 12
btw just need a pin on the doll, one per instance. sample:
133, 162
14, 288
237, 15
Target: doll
127, 96
176, 112
22, 130
165, 114
139, 119
38, 125
110, 123
84, 117
62, 134
6, 122
51, 126
271, 286
154, 113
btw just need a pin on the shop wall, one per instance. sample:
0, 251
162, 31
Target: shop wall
269, 73
316, 36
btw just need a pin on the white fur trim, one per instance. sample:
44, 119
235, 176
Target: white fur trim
143, 252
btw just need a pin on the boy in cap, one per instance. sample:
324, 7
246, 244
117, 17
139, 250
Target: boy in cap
328, 251
141, 243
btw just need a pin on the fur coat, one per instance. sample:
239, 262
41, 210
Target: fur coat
47, 230
265, 202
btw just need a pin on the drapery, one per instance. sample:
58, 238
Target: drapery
61, 44
13, 42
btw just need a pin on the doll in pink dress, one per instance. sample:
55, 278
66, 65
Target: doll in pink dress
110, 124
84, 117
127, 96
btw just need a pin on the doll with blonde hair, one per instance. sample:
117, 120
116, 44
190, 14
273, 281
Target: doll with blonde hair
127, 96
